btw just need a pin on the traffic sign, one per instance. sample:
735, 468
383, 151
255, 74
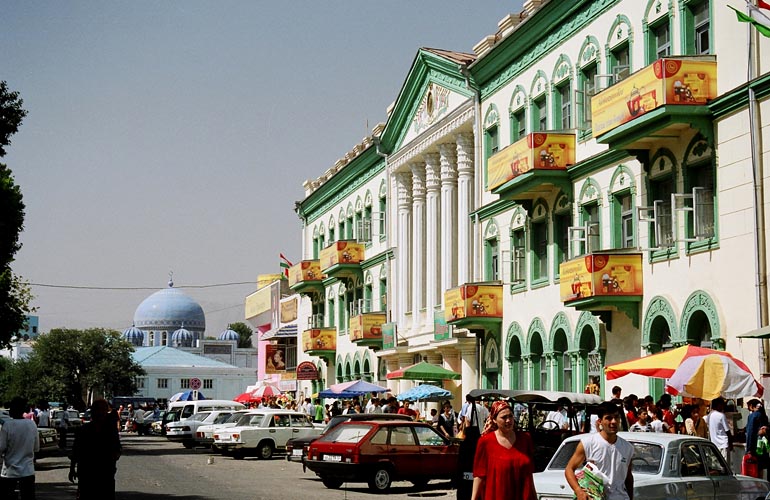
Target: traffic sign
195, 383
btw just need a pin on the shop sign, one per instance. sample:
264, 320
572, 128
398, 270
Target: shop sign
598, 275
307, 371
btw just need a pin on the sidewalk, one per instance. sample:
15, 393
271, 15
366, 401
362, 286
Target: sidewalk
51, 480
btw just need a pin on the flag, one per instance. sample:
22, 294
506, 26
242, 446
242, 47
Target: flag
285, 265
765, 30
762, 8
762, 4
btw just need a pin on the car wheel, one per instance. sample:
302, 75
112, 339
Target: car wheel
331, 483
188, 444
265, 451
238, 454
381, 479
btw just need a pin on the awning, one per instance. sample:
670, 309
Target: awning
282, 332
759, 333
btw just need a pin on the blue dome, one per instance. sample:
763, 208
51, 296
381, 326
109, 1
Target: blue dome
182, 338
229, 335
134, 336
170, 309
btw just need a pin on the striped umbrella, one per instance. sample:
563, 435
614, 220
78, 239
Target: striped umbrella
662, 364
712, 376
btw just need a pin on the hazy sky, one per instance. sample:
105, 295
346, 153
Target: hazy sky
175, 136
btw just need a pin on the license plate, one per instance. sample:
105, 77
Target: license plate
468, 476
332, 458
224, 438
296, 453
48, 440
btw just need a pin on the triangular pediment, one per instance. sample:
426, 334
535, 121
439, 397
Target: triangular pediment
435, 86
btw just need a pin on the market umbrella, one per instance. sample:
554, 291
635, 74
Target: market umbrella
424, 371
662, 364
425, 392
265, 391
351, 389
245, 397
186, 396
712, 376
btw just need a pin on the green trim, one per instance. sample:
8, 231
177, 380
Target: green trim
537, 36
377, 259
427, 68
596, 163
477, 323
646, 126
529, 185
628, 305
738, 98
659, 306
560, 322
700, 301
492, 209
536, 326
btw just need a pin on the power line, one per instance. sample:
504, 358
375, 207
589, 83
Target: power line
77, 287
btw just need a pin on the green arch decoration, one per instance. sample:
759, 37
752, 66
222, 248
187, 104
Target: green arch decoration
659, 306
700, 147
537, 92
590, 52
562, 203
621, 19
539, 210
514, 331
368, 198
586, 319
518, 218
383, 189
536, 326
560, 322
657, 4
590, 192
492, 117
618, 181
492, 230
357, 358
359, 205
702, 301
562, 70
518, 99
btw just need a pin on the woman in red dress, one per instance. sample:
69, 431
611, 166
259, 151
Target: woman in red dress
503, 467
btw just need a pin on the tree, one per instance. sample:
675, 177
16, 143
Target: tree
244, 334
76, 365
15, 295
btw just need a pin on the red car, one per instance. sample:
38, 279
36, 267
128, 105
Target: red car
379, 452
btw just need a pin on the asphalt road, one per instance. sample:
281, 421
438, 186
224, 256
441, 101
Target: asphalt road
153, 468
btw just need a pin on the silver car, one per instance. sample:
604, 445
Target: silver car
665, 466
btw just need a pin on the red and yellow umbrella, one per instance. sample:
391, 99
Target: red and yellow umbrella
662, 364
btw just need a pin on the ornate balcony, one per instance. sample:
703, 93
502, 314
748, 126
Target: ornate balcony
658, 101
603, 281
320, 342
306, 277
474, 305
366, 329
342, 259
532, 166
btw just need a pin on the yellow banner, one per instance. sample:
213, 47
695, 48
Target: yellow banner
474, 301
367, 326
601, 275
307, 270
289, 310
259, 302
342, 252
664, 82
319, 339
534, 152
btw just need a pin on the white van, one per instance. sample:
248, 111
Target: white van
180, 410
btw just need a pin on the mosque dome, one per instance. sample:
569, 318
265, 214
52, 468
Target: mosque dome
182, 338
134, 336
169, 310
229, 335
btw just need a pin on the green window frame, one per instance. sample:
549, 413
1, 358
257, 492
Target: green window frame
623, 220
492, 259
518, 260
342, 311
491, 141
538, 244
696, 27
331, 234
383, 293
590, 218
562, 105
382, 222
659, 40
316, 247
562, 220
587, 85
330, 316
662, 233
539, 114
518, 125
701, 225
620, 61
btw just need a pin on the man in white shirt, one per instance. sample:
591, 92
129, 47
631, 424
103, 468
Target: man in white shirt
466, 413
44, 417
18, 443
719, 431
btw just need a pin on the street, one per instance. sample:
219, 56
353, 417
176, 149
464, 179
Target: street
152, 467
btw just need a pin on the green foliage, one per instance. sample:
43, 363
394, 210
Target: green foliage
71, 365
11, 115
244, 334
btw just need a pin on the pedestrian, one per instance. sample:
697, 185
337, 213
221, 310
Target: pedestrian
19, 441
467, 418
657, 424
719, 430
44, 416
407, 410
641, 425
695, 425
446, 421
502, 465
64, 425
94, 457
609, 453
318, 417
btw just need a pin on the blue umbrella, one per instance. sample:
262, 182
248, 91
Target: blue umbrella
425, 392
186, 396
351, 389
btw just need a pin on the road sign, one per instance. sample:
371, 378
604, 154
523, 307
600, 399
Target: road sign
195, 383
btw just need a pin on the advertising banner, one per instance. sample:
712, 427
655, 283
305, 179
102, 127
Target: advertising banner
319, 339
367, 326
275, 358
388, 335
307, 270
598, 275
342, 252
664, 82
262, 307
289, 310
474, 301
537, 151
441, 330
307, 371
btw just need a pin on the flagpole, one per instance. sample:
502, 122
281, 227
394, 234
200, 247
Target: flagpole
754, 9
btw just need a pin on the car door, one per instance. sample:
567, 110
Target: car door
435, 458
301, 426
404, 452
697, 484
281, 429
726, 486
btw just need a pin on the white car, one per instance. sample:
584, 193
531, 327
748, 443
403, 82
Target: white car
204, 436
74, 418
263, 432
184, 430
664, 466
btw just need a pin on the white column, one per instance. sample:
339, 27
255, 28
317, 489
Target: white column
418, 244
433, 296
404, 192
464, 206
469, 369
448, 153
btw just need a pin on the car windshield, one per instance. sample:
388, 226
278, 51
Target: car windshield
234, 418
200, 416
647, 457
222, 418
347, 433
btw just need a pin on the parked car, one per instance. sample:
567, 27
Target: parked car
263, 432
156, 427
183, 431
664, 466
204, 436
381, 451
74, 418
296, 448
49, 438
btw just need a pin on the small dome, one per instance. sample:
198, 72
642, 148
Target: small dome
229, 335
182, 338
134, 336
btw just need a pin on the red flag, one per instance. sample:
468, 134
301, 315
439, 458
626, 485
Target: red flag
762, 4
